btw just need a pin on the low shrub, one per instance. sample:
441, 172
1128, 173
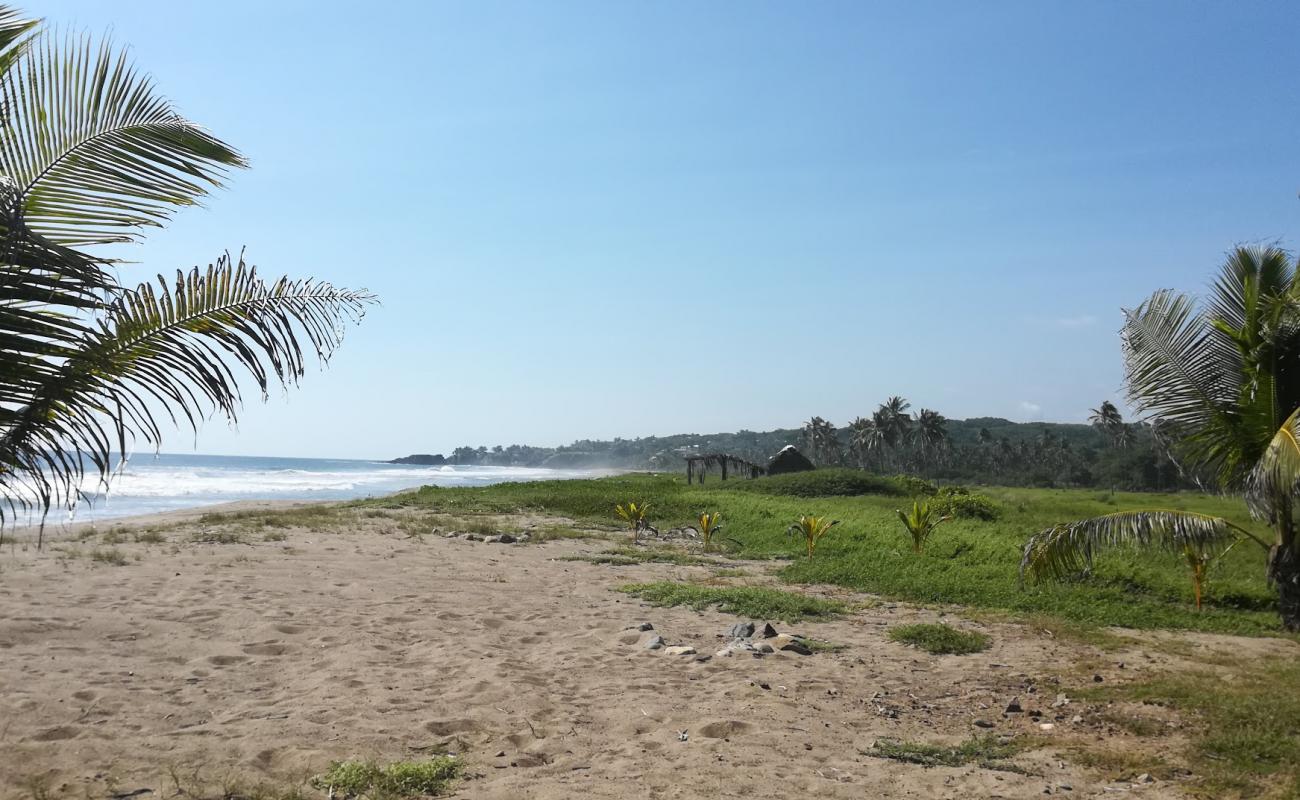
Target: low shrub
836, 482
914, 486
962, 503
940, 639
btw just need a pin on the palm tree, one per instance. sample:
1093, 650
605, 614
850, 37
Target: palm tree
865, 439
1110, 422
822, 440
91, 154
1221, 386
931, 430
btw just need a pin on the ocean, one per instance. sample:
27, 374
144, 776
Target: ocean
168, 482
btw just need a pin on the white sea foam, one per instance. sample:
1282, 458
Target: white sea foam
150, 484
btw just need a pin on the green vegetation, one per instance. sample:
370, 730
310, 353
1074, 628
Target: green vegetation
710, 524
920, 523
989, 752
812, 529
834, 482
627, 556
1218, 383
940, 639
744, 601
401, 779
974, 563
634, 514
1242, 719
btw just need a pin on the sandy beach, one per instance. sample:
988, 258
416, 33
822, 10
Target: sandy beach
193, 667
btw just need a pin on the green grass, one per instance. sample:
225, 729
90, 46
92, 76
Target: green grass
940, 639
971, 562
1244, 723
400, 779
743, 601
627, 556
988, 752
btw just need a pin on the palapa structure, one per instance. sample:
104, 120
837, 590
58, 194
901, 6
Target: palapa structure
724, 462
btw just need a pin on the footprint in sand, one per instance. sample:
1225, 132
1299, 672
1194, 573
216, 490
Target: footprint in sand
724, 729
56, 734
266, 648
290, 629
225, 661
446, 727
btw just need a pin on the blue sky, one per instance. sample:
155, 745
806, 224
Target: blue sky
623, 218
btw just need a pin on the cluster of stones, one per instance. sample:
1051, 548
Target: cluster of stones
500, 538
741, 641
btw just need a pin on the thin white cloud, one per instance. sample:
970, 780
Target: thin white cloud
1030, 409
1081, 321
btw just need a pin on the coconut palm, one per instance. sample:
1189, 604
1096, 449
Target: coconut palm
931, 430
864, 440
822, 440
920, 523
90, 155
812, 529
1110, 422
1221, 386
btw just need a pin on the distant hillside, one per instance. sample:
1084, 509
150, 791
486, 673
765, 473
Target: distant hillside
1012, 453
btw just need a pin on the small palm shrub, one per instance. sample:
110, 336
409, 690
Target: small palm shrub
709, 525
634, 514
812, 529
920, 523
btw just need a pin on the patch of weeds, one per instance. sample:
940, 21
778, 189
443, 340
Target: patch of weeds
731, 573
150, 536
940, 639
218, 537
627, 556
115, 535
274, 536
551, 533
1134, 723
1121, 763
111, 556
398, 779
744, 601
822, 646
989, 752
1243, 729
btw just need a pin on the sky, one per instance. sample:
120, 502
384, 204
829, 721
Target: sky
590, 220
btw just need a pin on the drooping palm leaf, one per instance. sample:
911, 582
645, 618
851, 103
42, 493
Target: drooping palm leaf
1276, 476
92, 151
168, 348
1066, 550
1176, 375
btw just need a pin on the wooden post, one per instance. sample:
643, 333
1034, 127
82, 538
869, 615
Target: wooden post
724, 467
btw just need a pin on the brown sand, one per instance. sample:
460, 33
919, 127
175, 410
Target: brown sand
221, 665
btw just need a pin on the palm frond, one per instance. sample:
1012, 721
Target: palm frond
1276, 475
172, 348
92, 152
1066, 550
1174, 375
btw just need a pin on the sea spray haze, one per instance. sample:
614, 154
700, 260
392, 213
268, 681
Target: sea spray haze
90, 155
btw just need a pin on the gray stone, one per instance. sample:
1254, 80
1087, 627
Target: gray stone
768, 630
644, 626
679, 650
492, 539
1014, 706
764, 647
654, 643
506, 538
473, 537
797, 647
983, 723
741, 630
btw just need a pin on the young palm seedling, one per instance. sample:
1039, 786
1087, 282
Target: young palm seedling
1200, 560
920, 523
634, 514
812, 529
709, 525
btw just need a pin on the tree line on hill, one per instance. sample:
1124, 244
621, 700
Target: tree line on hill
1108, 453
